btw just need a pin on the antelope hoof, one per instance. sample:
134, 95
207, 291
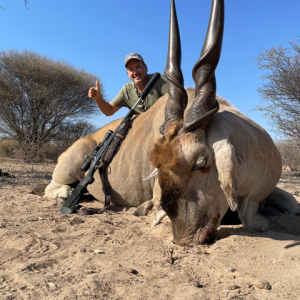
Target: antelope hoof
143, 209
160, 215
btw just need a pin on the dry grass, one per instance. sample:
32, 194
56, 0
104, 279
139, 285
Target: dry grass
25, 176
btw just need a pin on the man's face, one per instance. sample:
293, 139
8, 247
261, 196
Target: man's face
137, 71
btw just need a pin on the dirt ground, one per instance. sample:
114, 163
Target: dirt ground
47, 255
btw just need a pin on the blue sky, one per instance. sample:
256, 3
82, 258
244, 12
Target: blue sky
96, 35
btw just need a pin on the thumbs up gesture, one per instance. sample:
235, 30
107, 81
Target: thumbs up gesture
94, 92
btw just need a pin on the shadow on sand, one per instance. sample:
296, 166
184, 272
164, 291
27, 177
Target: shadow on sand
281, 227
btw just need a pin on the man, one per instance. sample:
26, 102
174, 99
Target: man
129, 94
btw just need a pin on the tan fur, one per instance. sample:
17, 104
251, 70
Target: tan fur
232, 174
242, 168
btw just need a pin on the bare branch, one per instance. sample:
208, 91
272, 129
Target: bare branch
26, 4
280, 88
40, 98
168, 252
290, 154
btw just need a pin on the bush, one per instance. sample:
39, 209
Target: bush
290, 154
39, 96
9, 148
49, 153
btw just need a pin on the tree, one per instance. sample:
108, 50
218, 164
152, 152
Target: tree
280, 90
25, 3
38, 94
290, 154
68, 133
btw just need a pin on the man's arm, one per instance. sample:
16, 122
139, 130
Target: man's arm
107, 108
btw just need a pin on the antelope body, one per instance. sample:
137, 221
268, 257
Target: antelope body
209, 156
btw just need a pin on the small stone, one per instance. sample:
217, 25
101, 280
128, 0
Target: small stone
52, 286
268, 286
197, 284
232, 287
132, 271
247, 285
41, 218
263, 285
77, 221
233, 270
260, 285
99, 251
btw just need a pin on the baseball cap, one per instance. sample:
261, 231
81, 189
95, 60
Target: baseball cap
131, 56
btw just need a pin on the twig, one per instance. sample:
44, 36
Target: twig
26, 3
34, 191
162, 245
169, 252
170, 257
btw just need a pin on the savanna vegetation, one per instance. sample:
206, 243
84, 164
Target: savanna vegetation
280, 98
43, 105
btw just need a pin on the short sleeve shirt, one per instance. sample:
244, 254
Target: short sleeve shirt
128, 95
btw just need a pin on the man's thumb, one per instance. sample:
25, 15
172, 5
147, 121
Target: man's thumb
97, 85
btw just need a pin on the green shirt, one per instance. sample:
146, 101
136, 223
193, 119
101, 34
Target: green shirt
128, 95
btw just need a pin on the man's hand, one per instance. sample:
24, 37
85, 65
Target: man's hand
107, 108
94, 92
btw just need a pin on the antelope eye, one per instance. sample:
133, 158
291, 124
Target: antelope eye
200, 165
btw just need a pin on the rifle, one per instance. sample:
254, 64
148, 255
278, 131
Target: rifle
95, 161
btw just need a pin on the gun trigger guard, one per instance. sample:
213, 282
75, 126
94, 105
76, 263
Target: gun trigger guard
99, 166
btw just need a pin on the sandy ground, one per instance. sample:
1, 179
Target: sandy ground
47, 255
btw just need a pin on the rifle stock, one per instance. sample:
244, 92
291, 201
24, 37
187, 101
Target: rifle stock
71, 203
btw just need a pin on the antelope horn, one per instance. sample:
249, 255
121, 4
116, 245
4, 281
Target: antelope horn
177, 101
154, 173
205, 104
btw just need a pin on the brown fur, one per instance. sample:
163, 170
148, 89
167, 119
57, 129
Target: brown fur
187, 195
169, 153
209, 230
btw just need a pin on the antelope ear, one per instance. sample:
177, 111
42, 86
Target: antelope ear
156, 153
227, 166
